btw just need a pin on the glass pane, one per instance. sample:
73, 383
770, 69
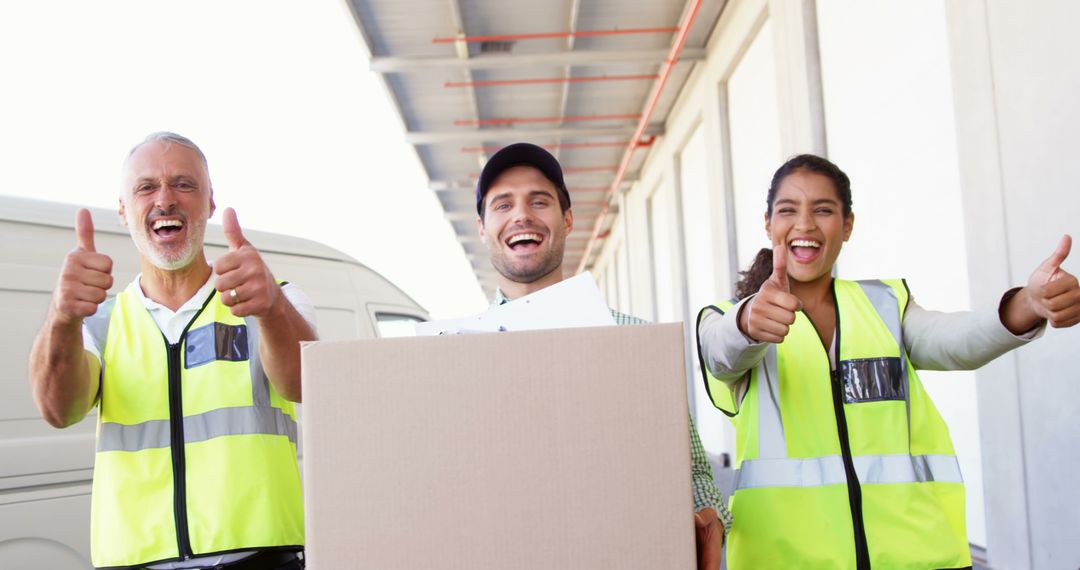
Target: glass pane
755, 142
697, 223
623, 268
611, 294
660, 215
393, 325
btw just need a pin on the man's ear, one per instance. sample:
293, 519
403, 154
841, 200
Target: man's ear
480, 230
213, 206
568, 217
123, 216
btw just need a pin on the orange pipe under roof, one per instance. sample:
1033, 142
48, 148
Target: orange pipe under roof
554, 35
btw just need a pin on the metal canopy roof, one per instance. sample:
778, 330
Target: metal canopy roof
580, 77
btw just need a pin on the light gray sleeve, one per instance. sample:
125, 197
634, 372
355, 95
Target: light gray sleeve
727, 352
302, 303
963, 340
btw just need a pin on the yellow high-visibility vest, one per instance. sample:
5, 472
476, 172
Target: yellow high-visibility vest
196, 451
852, 469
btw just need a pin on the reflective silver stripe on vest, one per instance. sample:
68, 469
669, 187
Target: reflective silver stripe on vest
829, 470
772, 444
245, 420
884, 300
260, 385
770, 428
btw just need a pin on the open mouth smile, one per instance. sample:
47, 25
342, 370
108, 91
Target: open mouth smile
805, 250
524, 242
167, 228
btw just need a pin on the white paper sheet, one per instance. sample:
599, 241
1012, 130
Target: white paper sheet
573, 302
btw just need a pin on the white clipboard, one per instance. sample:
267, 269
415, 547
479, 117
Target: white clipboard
571, 303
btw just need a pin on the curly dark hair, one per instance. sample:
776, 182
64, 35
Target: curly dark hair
761, 268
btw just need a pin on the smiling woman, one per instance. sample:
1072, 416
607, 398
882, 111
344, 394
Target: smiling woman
843, 460
828, 188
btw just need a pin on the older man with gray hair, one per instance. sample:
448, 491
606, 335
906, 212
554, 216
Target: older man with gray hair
194, 368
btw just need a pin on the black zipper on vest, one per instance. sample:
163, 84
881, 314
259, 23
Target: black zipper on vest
176, 435
862, 551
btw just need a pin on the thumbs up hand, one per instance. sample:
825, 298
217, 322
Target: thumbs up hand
1053, 293
769, 315
85, 277
246, 285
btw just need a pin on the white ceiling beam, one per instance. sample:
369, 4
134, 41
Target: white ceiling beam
564, 96
470, 186
517, 134
462, 49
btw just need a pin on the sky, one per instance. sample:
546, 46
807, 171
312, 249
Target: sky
301, 136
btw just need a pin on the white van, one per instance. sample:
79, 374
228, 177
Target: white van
45, 473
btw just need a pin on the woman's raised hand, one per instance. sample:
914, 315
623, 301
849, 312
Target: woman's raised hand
770, 313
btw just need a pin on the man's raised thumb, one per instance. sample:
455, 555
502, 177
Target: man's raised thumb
233, 234
84, 230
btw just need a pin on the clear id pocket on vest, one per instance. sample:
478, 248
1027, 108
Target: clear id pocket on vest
872, 380
216, 341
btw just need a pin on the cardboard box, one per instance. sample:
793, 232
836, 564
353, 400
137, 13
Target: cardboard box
558, 449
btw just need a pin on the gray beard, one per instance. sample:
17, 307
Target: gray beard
168, 261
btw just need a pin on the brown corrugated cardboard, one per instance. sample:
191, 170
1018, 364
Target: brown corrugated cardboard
559, 449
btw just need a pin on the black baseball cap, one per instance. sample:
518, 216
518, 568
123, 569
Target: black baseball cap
519, 154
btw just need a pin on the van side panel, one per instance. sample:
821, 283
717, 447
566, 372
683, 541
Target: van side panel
45, 473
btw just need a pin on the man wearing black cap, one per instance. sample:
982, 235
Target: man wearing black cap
524, 218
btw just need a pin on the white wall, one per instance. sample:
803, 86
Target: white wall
890, 124
956, 122
1015, 71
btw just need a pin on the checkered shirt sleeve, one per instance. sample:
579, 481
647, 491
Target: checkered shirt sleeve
706, 494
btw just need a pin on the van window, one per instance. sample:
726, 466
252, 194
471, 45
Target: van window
393, 325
